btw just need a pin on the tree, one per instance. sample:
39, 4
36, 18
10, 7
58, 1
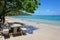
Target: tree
7, 6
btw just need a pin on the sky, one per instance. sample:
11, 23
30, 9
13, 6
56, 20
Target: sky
48, 7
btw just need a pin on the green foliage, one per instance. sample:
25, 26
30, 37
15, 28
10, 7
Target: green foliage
7, 6
12, 13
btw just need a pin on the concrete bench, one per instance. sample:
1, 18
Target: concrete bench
5, 31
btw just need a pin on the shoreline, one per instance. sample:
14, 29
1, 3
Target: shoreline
24, 21
44, 31
43, 21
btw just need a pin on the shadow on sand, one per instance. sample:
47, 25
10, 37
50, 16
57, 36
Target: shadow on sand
30, 29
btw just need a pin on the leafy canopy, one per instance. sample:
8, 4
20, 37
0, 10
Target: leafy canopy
7, 6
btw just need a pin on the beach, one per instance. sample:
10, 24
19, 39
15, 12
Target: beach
37, 31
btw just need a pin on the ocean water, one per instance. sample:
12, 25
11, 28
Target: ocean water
47, 19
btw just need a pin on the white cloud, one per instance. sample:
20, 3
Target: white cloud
50, 12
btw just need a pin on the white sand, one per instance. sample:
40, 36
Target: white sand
44, 31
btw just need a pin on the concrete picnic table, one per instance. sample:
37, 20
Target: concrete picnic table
15, 26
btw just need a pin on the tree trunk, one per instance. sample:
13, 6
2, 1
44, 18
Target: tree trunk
3, 14
3, 19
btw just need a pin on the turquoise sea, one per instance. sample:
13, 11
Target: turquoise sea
47, 19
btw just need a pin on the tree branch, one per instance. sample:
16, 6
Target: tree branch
9, 11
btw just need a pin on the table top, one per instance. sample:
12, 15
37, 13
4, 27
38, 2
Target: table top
16, 25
